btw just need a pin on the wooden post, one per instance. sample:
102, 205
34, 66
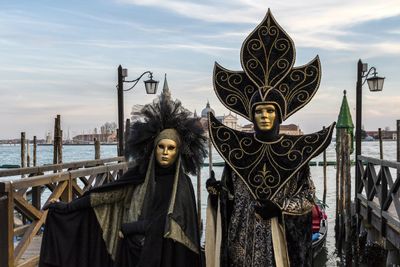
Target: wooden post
398, 140
347, 197
36, 191
55, 146
28, 156
338, 168
60, 144
23, 165
6, 226
380, 143
34, 150
96, 149
341, 194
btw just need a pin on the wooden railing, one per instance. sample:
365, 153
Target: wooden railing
21, 216
378, 196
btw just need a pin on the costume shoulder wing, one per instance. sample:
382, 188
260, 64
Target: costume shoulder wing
238, 149
294, 151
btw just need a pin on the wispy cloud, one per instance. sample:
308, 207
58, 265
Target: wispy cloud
315, 23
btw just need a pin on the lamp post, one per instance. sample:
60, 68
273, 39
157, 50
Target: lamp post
375, 84
151, 88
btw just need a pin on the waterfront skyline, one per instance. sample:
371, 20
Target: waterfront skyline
62, 57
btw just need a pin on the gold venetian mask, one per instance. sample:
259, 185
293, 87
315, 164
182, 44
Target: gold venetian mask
166, 152
264, 116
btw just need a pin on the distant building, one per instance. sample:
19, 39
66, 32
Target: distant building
204, 112
249, 128
386, 135
49, 140
290, 129
89, 138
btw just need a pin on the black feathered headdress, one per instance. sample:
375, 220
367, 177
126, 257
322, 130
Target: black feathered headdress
162, 114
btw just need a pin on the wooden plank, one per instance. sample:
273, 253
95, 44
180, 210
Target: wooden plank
57, 192
59, 167
34, 227
375, 161
31, 253
86, 172
76, 189
90, 180
31, 262
5, 187
26, 208
6, 229
20, 230
41, 180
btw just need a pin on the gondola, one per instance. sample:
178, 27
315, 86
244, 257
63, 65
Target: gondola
320, 228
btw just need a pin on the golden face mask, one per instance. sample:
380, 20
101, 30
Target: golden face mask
264, 117
166, 152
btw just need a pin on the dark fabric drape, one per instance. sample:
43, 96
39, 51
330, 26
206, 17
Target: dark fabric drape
75, 238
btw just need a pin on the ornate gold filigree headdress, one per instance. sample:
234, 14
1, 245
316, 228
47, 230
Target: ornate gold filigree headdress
267, 58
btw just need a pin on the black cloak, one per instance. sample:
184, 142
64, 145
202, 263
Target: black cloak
76, 239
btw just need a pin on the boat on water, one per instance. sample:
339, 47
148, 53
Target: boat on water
319, 227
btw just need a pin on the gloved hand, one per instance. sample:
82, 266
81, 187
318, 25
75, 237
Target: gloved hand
213, 186
268, 209
63, 207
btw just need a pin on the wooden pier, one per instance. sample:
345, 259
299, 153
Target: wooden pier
22, 218
378, 198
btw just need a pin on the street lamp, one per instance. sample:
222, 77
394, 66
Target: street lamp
375, 84
151, 88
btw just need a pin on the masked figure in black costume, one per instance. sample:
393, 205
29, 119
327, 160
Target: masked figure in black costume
148, 216
259, 214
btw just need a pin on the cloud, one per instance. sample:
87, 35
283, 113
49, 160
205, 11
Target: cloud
318, 24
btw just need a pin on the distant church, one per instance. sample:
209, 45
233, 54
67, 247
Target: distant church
230, 120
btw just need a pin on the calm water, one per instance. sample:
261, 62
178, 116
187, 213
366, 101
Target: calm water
11, 155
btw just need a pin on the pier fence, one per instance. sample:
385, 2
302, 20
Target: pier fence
378, 197
21, 214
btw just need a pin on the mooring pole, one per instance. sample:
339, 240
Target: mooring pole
23, 165
28, 152
34, 150
347, 197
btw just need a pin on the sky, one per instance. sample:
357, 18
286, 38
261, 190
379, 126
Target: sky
61, 57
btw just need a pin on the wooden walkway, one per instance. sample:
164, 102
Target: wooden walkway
65, 182
378, 197
31, 254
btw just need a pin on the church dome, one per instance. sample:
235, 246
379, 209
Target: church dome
204, 112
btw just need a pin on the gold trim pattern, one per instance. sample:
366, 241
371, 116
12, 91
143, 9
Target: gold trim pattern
266, 167
267, 58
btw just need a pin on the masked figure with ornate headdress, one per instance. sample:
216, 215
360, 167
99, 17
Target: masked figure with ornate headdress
148, 216
259, 214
